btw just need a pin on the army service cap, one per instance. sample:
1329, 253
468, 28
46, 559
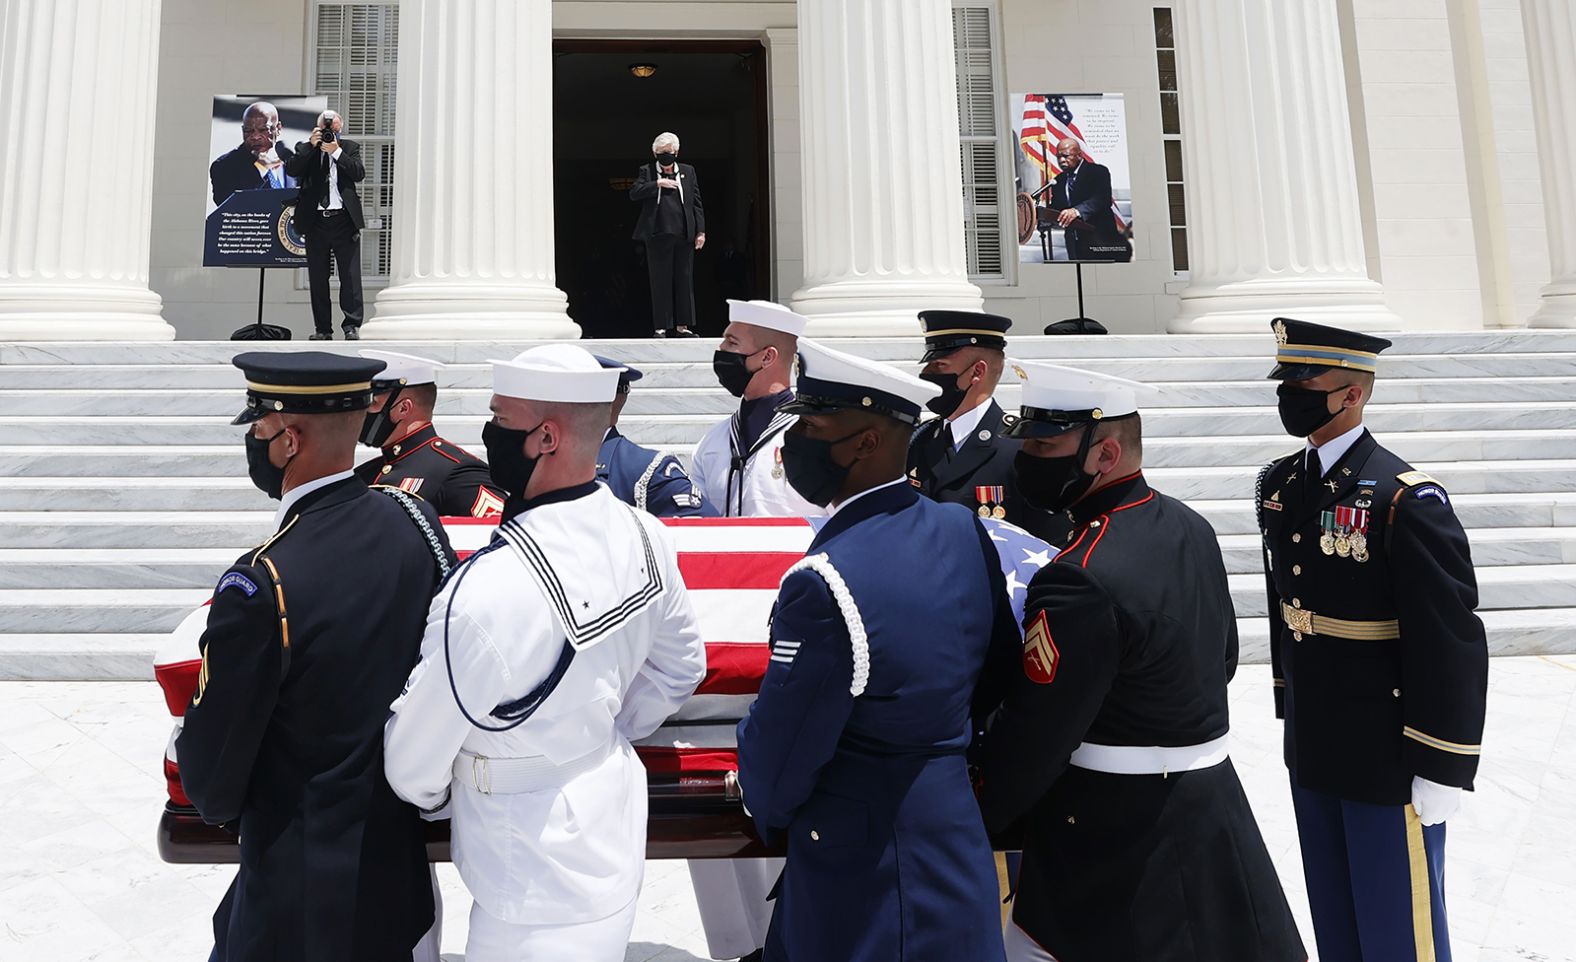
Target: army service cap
304, 382
1304, 350
948, 331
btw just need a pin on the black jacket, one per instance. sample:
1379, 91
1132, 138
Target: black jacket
237, 170
645, 193
1130, 640
309, 639
1364, 715
1091, 197
967, 475
309, 167
455, 482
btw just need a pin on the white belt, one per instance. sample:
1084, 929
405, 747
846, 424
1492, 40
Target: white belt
518, 776
1150, 759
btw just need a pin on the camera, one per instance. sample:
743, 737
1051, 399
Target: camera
328, 133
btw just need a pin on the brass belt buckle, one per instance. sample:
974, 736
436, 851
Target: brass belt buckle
1300, 619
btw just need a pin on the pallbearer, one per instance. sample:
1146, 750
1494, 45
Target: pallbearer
649, 480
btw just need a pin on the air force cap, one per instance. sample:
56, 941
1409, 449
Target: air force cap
948, 331
560, 373
1058, 399
402, 369
626, 375
767, 314
304, 382
831, 381
1304, 350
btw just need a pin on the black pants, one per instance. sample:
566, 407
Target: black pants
334, 236
670, 259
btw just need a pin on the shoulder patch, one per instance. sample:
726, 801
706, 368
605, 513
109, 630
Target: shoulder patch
1432, 491
1410, 478
238, 581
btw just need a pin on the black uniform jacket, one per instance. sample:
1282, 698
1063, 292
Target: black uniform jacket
445, 475
309, 638
983, 461
1364, 715
1130, 640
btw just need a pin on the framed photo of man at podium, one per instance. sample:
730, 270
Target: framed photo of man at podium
1074, 185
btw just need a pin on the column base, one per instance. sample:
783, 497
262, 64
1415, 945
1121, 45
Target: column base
880, 308
469, 312
1249, 308
1557, 308
55, 312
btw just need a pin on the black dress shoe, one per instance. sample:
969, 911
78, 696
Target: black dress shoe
322, 336
353, 333
686, 332
662, 333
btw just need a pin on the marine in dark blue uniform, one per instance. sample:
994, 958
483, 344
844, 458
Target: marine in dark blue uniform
1380, 663
414, 458
309, 639
649, 480
853, 754
1111, 747
964, 454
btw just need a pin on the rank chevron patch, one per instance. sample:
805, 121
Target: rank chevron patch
1040, 656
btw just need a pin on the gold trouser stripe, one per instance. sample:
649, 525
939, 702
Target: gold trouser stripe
308, 389
1455, 748
1422, 904
1004, 888
1305, 621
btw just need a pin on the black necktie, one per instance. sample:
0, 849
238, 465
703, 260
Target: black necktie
1311, 473
949, 443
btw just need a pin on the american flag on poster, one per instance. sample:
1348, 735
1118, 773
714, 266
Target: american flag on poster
1062, 125
732, 568
1035, 135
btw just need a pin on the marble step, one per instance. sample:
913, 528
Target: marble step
1215, 422
110, 656
1025, 343
120, 611
142, 568
236, 493
648, 399
1477, 512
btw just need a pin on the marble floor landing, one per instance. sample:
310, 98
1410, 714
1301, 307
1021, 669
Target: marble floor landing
80, 790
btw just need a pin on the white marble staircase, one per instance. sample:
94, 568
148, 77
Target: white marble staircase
123, 490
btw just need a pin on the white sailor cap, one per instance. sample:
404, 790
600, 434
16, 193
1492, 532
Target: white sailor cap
402, 369
1058, 399
767, 314
831, 381
555, 372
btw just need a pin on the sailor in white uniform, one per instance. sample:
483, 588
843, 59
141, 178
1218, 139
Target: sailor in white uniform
545, 655
738, 465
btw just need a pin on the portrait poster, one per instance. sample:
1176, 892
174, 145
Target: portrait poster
1073, 183
250, 191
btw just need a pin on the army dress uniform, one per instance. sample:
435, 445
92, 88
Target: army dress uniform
451, 479
853, 753
1380, 667
1111, 748
308, 640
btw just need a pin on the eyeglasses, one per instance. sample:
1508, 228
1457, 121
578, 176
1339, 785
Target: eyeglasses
253, 129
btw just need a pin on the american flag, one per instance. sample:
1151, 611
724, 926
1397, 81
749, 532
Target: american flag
1036, 130
732, 568
1062, 126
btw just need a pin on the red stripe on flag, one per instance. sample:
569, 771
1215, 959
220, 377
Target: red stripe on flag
663, 760
178, 680
734, 668
735, 570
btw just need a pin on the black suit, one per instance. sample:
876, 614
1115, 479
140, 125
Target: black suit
1090, 195
284, 737
984, 460
237, 170
668, 225
329, 234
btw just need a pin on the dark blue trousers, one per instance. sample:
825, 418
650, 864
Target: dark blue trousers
1376, 880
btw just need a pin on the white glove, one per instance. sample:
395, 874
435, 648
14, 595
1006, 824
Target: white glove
1432, 801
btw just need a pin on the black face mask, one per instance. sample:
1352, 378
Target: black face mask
269, 479
951, 395
507, 462
733, 371
377, 428
1054, 484
667, 158
1305, 410
810, 468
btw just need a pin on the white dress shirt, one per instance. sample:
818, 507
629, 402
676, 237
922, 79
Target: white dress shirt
300, 491
963, 424
334, 201
1327, 454
838, 507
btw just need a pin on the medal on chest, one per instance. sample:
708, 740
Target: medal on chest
1344, 532
990, 498
777, 469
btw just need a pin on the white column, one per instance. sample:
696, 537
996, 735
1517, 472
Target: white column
1274, 221
77, 82
883, 195
473, 226
1550, 28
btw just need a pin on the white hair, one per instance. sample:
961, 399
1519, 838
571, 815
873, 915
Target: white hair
665, 139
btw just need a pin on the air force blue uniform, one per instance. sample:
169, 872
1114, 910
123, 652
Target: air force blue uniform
887, 854
649, 480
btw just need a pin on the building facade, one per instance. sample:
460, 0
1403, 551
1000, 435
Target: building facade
1404, 165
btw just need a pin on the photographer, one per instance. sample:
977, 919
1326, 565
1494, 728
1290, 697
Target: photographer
328, 214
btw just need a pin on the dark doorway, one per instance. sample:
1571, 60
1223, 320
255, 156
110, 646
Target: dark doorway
712, 94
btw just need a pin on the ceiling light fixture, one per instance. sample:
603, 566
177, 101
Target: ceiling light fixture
642, 70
